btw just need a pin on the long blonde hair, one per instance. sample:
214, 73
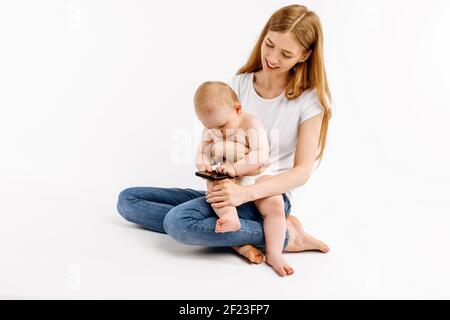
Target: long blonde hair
306, 28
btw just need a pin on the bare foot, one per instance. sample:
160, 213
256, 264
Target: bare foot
279, 264
228, 223
299, 240
253, 254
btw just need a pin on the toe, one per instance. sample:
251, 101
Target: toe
259, 258
325, 248
289, 270
255, 256
281, 272
321, 246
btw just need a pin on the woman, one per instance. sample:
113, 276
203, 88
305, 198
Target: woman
283, 84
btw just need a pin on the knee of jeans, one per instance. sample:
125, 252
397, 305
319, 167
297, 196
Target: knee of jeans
123, 203
173, 226
177, 226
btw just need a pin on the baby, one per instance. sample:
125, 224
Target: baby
237, 143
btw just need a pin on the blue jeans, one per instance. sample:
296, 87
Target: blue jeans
185, 215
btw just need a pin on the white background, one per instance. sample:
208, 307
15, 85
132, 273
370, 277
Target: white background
96, 96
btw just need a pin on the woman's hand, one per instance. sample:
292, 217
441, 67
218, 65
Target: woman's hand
227, 193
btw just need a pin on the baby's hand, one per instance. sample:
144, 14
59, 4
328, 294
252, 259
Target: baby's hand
226, 169
204, 167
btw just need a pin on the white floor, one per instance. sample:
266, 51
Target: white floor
62, 241
95, 97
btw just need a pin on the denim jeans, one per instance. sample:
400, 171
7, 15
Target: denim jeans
185, 215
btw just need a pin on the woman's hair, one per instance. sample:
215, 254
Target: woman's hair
306, 28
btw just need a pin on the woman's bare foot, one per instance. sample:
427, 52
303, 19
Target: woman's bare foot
299, 240
228, 223
253, 254
279, 264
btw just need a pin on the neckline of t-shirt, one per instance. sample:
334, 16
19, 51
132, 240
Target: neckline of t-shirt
256, 93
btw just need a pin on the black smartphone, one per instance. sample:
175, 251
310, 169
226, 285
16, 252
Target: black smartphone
212, 175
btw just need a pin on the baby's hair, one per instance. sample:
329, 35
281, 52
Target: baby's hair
212, 93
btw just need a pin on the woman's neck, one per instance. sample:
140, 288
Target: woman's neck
271, 81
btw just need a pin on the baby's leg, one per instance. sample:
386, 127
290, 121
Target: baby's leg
228, 218
272, 209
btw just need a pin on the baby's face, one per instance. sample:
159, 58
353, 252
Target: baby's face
224, 118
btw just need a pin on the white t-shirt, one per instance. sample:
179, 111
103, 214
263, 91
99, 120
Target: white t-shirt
281, 118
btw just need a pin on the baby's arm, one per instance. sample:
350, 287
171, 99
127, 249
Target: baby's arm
258, 145
203, 154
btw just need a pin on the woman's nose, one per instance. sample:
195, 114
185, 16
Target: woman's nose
273, 61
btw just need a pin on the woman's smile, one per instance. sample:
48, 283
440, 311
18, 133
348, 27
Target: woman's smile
270, 66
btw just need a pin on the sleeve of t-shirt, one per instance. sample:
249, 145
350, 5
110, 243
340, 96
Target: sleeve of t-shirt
233, 82
311, 107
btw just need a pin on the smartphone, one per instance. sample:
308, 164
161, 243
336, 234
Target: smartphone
212, 175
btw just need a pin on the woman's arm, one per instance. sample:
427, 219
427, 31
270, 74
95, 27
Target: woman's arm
227, 193
305, 155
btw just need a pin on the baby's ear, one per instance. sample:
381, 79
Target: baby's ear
238, 108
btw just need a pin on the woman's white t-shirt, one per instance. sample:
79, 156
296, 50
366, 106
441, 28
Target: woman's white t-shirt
281, 118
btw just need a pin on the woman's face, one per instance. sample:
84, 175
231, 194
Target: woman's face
280, 52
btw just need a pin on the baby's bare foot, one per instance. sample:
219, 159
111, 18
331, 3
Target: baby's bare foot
253, 254
279, 264
228, 223
299, 240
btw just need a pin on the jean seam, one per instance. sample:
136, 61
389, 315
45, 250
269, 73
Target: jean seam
146, 203
137, 194
210, 229
194, 211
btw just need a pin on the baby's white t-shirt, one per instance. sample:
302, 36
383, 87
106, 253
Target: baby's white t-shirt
281, 118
